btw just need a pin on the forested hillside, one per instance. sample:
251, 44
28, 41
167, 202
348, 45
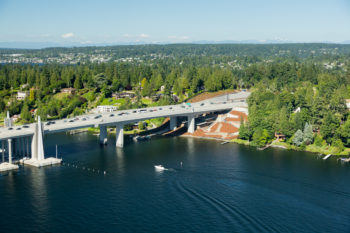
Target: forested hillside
298, 90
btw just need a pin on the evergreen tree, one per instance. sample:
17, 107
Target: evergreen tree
298, 137
25, 114
308, 134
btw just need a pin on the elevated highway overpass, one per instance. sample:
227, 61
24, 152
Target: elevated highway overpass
22, 136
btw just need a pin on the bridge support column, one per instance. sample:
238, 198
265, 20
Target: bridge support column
10, 150
191, 124
3, 151
37, 149
28, 151
173, 122
103, 134
119, 134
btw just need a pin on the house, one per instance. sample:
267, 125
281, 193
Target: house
280, 136
106, 108
23, 86
69, 90
297, 110
347, 101
123, 95
15, 118
21, 95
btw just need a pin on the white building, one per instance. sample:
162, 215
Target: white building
347, 103
106, 108
21, 95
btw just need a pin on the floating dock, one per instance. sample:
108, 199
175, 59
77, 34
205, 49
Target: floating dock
41, 163
7, 167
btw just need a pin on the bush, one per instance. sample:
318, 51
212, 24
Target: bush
318, 140
338, 144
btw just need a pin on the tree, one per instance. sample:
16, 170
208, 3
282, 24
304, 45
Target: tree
143, 82
77, 83
329, 126
308, 134
244, 130
2, 105
298, 137
25, 114
141, 125
344, 132
31, 94
261, 137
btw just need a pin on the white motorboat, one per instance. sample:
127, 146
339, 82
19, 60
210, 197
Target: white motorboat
159, 167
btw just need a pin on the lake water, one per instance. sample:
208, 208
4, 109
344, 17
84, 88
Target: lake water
219, 188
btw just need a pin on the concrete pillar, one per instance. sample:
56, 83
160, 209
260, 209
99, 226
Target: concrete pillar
28, 152
103, 134
3, 151
119, 136
18, 147
191, 125
37, 142
23, 147
173, 122
10, 150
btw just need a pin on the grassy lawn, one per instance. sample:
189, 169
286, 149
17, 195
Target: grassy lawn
146, 101
109, 101
310, 148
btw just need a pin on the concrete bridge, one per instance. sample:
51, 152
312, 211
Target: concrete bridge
27, 140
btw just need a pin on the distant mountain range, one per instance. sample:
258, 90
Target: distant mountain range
40, 45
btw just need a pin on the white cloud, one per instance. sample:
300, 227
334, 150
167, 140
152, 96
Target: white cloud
67, 35
126, 35
142, 35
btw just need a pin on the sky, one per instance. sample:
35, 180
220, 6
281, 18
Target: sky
173, 21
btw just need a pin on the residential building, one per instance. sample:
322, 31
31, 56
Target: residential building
106, 108
21, 95
69, 90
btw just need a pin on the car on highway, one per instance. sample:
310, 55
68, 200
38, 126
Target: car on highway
83, 119
18, 129
202, 104
111, 115
25, 126
10, 128
98, 116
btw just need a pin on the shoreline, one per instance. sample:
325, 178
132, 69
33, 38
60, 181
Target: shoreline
279, 145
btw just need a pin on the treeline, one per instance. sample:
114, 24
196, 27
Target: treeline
297, 50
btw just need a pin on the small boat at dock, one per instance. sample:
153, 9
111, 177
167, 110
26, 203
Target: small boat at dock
345, 160
327, 156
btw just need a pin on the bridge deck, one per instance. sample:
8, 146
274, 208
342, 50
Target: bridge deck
120, 117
